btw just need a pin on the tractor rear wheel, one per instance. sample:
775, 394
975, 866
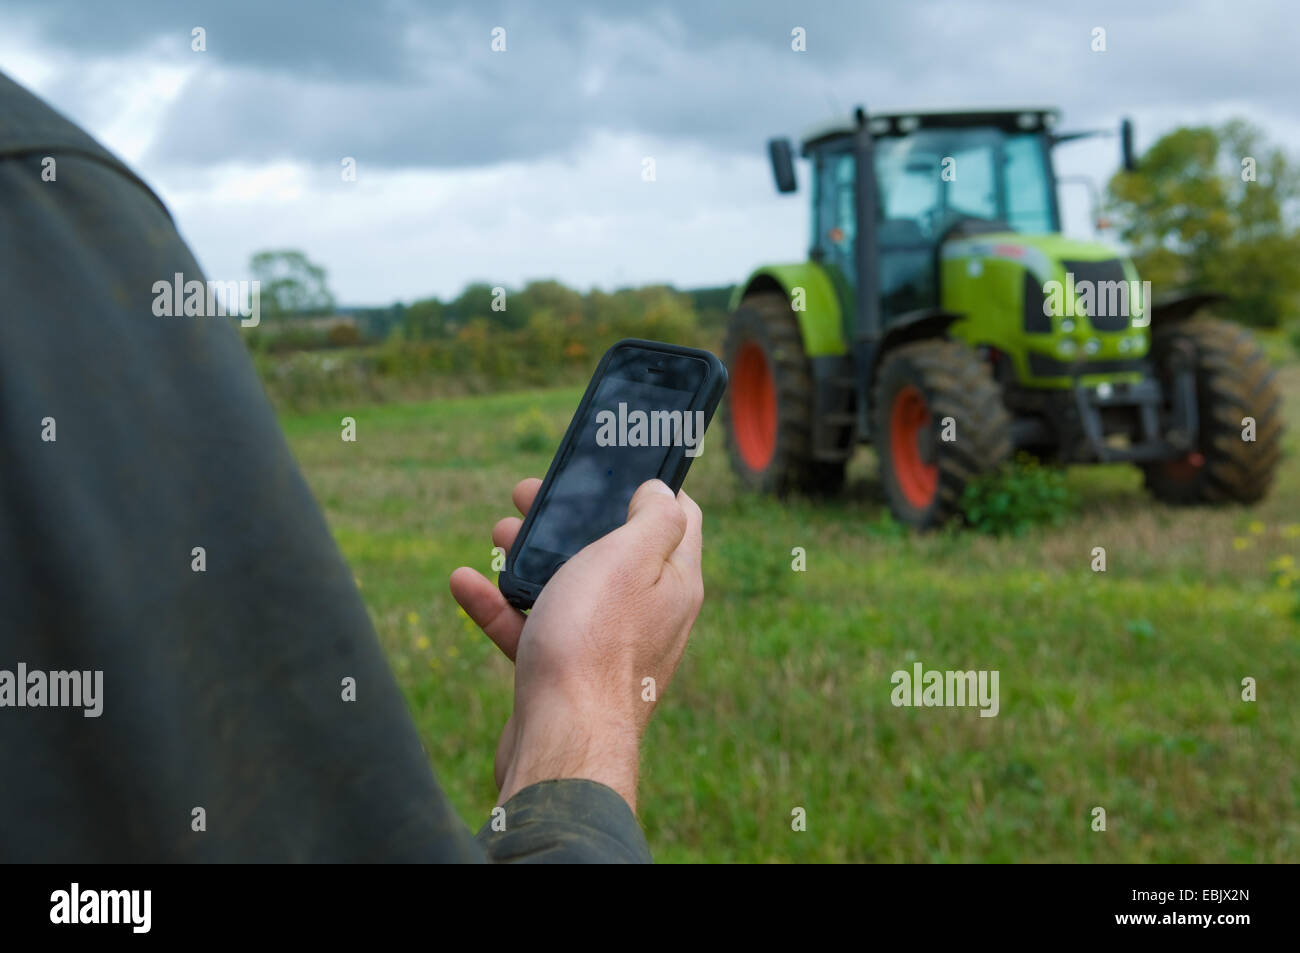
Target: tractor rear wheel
927, 391
770, 402
1233, 381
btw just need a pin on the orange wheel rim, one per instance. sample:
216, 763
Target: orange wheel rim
753, 407
909, 419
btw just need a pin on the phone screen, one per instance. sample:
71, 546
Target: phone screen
638, 415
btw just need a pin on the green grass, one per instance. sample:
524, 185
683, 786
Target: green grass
1118, 690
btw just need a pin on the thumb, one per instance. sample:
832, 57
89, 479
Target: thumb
656, 522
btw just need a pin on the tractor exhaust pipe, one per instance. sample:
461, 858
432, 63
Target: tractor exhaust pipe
867, 332
1127, 156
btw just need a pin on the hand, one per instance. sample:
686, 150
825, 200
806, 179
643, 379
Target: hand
618, 612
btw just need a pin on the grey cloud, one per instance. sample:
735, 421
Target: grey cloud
314, 38
406, 84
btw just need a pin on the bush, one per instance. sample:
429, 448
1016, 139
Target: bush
284, 337
533, 432
553, 338
1018, 495
342, 334
886, 527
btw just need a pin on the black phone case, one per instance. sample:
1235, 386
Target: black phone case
522, 593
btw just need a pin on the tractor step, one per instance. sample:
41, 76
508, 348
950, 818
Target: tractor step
834, 418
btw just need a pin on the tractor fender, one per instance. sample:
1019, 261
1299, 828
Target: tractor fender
1183, 306
914, 326
919, 325
807, 283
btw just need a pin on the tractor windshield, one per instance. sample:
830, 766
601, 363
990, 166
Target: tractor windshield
935, 181
929, 183
934, 178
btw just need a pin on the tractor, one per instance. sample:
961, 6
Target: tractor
944, 319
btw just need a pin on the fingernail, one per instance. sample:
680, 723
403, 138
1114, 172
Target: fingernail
661, 487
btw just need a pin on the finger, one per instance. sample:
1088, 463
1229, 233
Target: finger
504, 533
524, 493
686, 557
656, 522
484, 603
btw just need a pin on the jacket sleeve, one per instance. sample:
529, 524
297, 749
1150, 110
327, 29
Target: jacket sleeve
163, 540
569, 821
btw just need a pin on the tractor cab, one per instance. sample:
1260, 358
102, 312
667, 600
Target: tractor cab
938, 176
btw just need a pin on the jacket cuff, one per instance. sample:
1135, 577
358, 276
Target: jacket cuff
566, 821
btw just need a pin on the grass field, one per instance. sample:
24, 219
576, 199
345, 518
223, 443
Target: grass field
1119, 690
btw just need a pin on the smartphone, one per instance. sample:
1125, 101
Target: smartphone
643, 416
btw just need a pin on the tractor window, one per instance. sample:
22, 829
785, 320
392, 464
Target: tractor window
835, 211
1026, 184
971, 185
908, 191
934, 178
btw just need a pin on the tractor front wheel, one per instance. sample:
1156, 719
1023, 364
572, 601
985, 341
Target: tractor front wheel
939, 422
1234, 461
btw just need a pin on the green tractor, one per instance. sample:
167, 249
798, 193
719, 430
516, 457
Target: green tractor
944, 319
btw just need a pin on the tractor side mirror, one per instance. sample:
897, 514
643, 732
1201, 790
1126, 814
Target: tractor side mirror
1126, 145
782, 164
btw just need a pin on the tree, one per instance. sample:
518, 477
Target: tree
1213, 208
423, 320
290, 284
475, 301
562, 304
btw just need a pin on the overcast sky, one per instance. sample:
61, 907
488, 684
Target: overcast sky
506, 166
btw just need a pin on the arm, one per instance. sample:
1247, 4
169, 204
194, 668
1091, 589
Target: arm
618, 612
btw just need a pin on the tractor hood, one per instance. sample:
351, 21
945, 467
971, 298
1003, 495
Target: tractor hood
1048, 301
1047, 257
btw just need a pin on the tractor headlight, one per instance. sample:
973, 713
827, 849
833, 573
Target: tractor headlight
1125, 345
1065, 347
1092, 346
1067, 325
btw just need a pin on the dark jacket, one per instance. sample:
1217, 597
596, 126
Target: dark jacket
221, 689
